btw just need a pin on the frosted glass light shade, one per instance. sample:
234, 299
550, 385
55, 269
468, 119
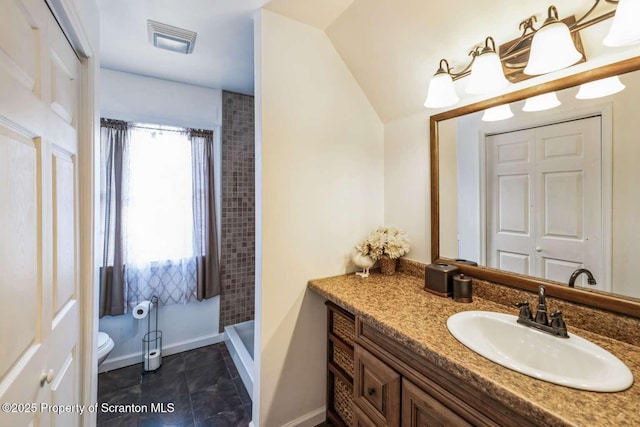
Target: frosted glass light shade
552, 49
600, 88
486, 75
546, 101
495, 114
624, 29
441, 93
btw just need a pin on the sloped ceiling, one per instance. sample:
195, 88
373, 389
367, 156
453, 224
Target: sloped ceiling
393, 47
316, 13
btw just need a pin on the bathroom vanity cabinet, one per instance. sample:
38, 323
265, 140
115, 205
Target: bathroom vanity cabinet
391, 361
373, 380
340, 346
394, 387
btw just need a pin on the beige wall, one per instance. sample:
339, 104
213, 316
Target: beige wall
406, 177
448, 154
626, 176
322, 176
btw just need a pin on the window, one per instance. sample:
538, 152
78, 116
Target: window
159, 205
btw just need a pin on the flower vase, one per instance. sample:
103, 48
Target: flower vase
388, 265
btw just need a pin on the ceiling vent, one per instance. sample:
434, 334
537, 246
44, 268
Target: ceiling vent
171, 38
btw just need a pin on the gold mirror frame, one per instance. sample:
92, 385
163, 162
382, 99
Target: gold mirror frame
596, 299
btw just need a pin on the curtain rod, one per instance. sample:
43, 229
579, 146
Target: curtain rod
162, 128
159, 127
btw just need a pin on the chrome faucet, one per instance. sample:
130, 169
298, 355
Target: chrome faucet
557, 327
590, 279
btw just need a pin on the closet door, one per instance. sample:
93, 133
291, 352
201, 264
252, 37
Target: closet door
544, 200
510, 193
39, 311
569, 200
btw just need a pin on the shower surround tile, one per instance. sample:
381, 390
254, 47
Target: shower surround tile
238, 209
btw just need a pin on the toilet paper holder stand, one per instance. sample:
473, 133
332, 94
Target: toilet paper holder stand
152, 343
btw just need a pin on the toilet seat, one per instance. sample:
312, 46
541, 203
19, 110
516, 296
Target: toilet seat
103, 340
105, 345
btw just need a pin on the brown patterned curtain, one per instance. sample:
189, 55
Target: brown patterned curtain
114, 139
205, 236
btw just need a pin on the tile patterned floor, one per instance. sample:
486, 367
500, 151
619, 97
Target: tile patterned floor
203, 385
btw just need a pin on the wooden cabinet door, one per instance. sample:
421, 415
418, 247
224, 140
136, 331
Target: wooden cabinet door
419, 409
376, 389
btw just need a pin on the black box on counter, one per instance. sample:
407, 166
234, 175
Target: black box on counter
438, 279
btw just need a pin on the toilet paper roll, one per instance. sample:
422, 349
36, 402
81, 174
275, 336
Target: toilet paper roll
142, 310
152, 360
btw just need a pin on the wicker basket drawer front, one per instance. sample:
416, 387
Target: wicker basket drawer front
343, 327
343, 400
342, 358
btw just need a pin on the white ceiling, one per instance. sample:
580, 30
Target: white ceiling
223, 54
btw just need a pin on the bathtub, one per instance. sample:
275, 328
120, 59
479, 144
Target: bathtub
239, 340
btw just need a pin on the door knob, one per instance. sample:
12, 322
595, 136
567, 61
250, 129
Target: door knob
371, 391
46, 378
538, 249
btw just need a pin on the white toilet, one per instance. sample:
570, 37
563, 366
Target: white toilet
105, 345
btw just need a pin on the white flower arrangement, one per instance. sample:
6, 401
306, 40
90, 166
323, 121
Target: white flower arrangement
388, 241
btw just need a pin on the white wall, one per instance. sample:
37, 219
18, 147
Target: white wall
132, 97
321, 146
183, 326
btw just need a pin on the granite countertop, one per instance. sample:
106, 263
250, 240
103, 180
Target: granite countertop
399, 306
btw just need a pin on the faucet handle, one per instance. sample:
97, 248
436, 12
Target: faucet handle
557, 323
525, 311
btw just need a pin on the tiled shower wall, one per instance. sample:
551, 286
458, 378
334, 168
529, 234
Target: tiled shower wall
237, 300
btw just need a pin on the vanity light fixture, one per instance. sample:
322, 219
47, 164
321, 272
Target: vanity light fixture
442, 92
486, 72
537, 51
546, 101
171, 38
600, 88
552, 48
495, 114
624, 29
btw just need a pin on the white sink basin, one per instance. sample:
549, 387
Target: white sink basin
572, 362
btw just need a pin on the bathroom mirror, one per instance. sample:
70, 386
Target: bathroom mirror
537, 196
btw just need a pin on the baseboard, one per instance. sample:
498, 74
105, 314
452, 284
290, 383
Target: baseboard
167, 350
310, 419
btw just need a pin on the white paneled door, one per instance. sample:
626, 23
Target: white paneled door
544, 200
39, 309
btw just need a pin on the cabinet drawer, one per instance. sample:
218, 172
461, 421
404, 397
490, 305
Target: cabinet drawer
376, 389
341, 356
342, 324
421, 409
360, 419
341, 401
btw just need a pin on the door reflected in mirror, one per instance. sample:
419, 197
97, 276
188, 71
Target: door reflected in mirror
546, 193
